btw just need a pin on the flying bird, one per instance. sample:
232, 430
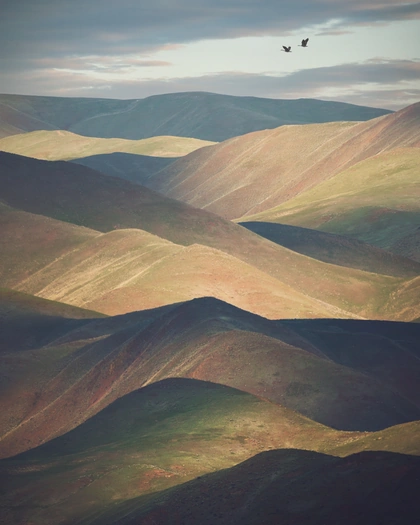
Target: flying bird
304, 42
287, 49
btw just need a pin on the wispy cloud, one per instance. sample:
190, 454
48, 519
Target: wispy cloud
377, 82
61, 27
133, 48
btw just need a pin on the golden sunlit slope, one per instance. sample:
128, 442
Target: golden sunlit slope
63, 145
29, 242
376, 200
255, 172
128, 270
77, 194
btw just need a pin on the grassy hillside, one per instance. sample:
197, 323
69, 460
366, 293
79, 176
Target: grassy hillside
286, 486
130, 269
81, 367
163, 434
77, 194
256, 172
133, 167
376, 200
337, 249
29, 242
178, 430
206, 116
63, 145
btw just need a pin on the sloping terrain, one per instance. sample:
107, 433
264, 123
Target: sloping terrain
129, 269
29, 242
176, 430
63, 145
163, 434
256, 172
202, 115
408, 246
376, 200
31, 322
16, 119
337, 249
77, 194
346, 374
133, 167
287, 486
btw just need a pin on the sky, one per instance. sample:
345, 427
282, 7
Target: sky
365, 53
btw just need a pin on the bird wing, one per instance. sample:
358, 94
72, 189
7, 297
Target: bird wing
285, 48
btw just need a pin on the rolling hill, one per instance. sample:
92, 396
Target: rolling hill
376, 201
350, 375
161, 363
337, 249
76, 194
201, 115
133, 167
249, 175
216, 427
63, 145
286, 486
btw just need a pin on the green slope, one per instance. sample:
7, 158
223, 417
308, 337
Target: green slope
63, 145
376, 201
73, 193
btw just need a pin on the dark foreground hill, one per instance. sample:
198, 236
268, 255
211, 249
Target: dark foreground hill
201, 115
136, 168
291, 487
111, 416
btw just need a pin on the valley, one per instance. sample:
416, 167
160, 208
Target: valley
209, 311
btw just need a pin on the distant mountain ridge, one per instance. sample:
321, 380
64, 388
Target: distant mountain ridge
202, 115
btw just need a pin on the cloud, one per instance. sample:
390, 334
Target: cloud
377, 82
31, 28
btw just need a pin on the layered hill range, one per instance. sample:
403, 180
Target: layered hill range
163, 363
128, 248
151, 415
358, 179
202, 115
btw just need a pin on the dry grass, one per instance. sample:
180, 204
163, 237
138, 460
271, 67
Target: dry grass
64, 145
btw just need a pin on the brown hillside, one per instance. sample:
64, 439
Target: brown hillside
14, 121
311, 368
77, 194
255, 172
287, 486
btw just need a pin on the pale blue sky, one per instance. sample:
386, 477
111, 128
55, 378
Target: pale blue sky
361, 52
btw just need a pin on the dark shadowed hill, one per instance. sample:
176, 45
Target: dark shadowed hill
135, 168
76, 194
350, 375
168, 433
337, 249
287, 486
202, 115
